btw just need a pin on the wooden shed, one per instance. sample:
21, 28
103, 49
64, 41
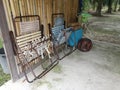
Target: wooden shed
10, 9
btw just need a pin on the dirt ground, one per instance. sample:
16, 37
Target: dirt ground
98, 69
106, 28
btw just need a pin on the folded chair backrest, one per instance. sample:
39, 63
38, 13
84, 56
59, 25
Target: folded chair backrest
58, 27
58, 19
29, 26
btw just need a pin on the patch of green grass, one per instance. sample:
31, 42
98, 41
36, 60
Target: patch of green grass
3, 77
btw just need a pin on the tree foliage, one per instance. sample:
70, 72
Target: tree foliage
97, 5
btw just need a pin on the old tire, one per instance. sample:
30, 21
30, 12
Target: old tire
84, 45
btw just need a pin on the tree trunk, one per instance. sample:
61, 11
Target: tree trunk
94, 4
109, 6
119, 6
99, 7
80, 5
115, 5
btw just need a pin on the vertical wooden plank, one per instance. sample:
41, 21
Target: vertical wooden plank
35, 7
40, 10
7, 43
14, 7
45, 16
28, 5
32, 7
8, 14
70, 11
56, 6
16, 12
60, 6
74, 10
49, 11
66, 11
53, 6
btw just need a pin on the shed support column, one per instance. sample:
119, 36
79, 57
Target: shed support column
7, 43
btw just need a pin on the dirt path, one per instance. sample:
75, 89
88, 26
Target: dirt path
106, 28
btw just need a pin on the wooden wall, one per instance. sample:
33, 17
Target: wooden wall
43, 8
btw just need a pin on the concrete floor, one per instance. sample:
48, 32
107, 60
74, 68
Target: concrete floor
98, 69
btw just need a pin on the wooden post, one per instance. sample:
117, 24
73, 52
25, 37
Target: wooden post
7, 43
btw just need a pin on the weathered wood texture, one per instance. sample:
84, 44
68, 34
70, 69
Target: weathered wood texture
7, 43
43, 8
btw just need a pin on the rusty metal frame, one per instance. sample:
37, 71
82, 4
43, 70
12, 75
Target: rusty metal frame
57, 47
18, 53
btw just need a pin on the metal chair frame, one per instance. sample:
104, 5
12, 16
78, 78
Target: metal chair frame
32, 46
63, 31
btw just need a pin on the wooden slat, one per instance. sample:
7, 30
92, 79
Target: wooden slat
30, 37
23, 41
31, 34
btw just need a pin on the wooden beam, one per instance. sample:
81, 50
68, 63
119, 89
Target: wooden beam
7, 43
